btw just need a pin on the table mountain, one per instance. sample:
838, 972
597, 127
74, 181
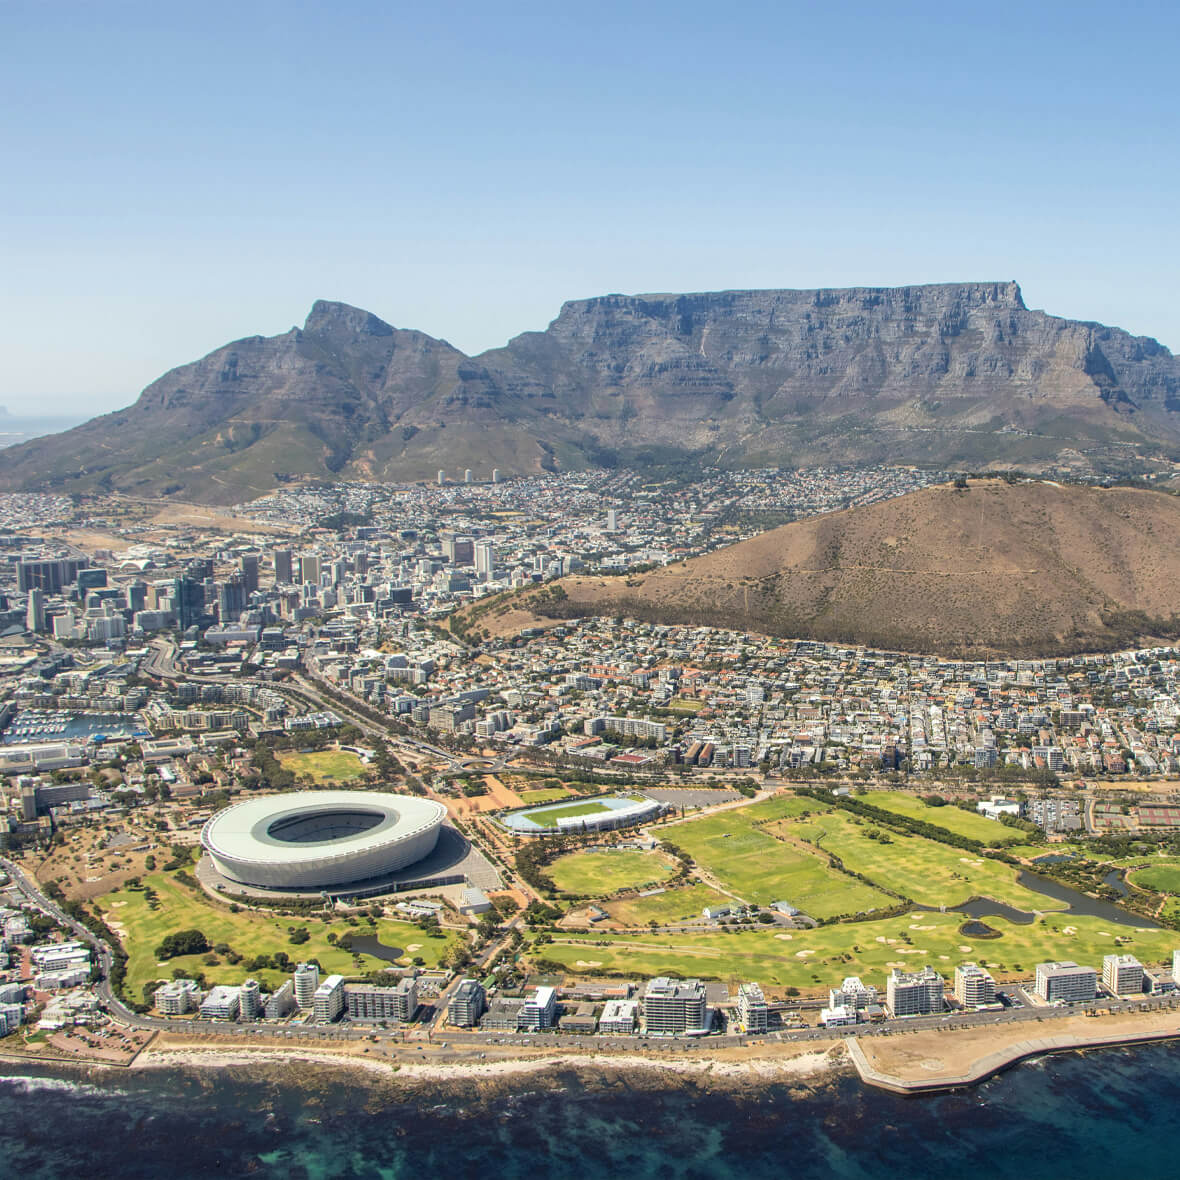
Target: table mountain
958, 374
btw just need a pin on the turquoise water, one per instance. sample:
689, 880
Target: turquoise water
1075, 1116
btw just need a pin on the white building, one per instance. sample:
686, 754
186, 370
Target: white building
838, 1015
974, 986
674, 1006
1066, 982
177, 997
752, 1012
281, 1002
1123, 975
328, 1001
306, 980
249, 1000
619, 1018
917, 993
221, 1003
539, 1010
852, 993
467, 1004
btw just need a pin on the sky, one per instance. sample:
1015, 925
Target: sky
178, 176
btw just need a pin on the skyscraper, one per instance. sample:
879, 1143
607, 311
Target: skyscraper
249, 568
35, 617
284, 569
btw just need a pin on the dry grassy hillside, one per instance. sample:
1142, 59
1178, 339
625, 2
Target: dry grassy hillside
1025, 569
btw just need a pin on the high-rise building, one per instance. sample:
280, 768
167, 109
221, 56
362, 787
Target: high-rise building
281, 1002
916, 993
328, 1001
1123, 975
539, 1010
1066, 982
442, 477
672, 1006
852, 994
467, 475
50, 576
248, 564
309, 568
306, 980
35, 615
284, 567
974, 986
485, 559
231, 598
496, 475
458, 550
752, 1012
467, 1004
188, 602
612, 521
249, 1000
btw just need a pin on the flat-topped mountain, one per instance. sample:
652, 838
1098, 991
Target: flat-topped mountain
1030, 568
958, 374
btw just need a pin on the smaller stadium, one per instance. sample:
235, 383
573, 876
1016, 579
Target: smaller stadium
582, 815
317, 840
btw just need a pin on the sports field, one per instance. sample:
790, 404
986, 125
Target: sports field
815, 959
601, 873
762, 863
971, 824
548, 819
323, 766
1162, 875
925, 871
673, 905
248, 933
544, 795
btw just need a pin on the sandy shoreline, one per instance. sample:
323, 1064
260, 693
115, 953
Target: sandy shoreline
772, 1067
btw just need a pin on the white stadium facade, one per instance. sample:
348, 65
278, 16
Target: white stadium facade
314, 840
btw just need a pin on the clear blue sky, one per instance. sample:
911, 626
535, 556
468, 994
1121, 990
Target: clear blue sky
177, 176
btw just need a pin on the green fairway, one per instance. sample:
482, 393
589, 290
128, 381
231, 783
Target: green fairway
926, 871
248, 933
953, 819
673, 905
762, 864
601, 873
1162, 875
544, 795
548, 819
323, 766
815, 959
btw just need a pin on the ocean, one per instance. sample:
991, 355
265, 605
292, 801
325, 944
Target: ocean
1069, 1117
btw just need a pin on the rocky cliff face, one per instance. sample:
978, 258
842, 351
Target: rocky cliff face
955, 374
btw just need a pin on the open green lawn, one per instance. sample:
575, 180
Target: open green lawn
673, 905
953, 819
323, 766
548, 819
869, 949
761, 866
1162, 875
601, 873
544, 795
685, 705
248, 933
926, 871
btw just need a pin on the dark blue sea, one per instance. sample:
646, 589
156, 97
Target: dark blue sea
1070, 1117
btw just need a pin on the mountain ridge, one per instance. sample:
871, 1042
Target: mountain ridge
951, 374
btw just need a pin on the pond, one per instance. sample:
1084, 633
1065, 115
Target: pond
1075, 902
369, 944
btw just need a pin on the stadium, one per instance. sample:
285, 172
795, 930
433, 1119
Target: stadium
314, 840
583, 815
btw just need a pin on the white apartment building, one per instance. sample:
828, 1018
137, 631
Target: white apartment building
1123, 975
539, 1010
1066, 982
306, 980
752, 1012
249, 1000
917, 993
467, 1004
674, 1006
328, 1001
177, 997
221, 1003
852, 993
619, 1018
974, 986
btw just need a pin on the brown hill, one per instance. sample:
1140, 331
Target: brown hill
1032, 568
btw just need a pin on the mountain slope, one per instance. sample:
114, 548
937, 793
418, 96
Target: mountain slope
1021, 569
952, 374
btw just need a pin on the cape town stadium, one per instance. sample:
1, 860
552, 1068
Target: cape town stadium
319, 839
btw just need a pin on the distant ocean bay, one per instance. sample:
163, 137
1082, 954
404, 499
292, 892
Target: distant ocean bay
1077, 1116
16, 428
